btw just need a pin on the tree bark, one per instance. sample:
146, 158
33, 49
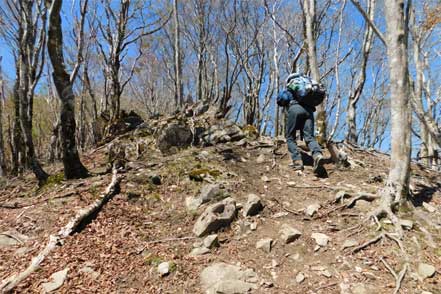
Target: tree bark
354, 97
309, 8
28, 77
179, 98
2, 96
73, 168
397, 53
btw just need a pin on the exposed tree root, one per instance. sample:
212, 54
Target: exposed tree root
362, 196
74, 225
398, 277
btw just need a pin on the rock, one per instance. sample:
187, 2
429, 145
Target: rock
300, 278
326, 273
321, 239
407, 224
209, 192
215, 217
291, 184
312, 209
211, 241
226, 278
155, 179
164, 268
199, 251
253, 226
426, 292
429, 207
426, 270
253, 205
265, 179
174, 136
345, 288
260, 159
265, 244
222, 133
57, 280
289, 234
193, 203
349, 243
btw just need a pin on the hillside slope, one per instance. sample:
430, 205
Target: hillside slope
149, 223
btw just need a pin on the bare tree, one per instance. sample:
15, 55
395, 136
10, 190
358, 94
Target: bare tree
179, 95
73, 168
357, 91
2, 101
309, 10
26, 32
121, 29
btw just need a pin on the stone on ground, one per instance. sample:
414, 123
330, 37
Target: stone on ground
215, 217
429, 207
312, 209
226, 278
57, 280
164, 268
321, 239
260, 158
211, 241
253, 205
174, 136
289, 234
426, 270
208, 193
265, 244
349, 243
300, 278
199, 251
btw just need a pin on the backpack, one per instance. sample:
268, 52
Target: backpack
305, 90
284, 98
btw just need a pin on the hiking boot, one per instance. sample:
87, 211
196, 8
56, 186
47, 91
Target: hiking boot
296, 165
318, 163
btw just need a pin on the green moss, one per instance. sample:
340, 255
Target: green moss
173, 266
199, 173
152, 260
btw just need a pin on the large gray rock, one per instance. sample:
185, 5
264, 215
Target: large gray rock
5, 241
228, 279
222, 133
208, 193
289, 234
57, 280
253, 205
174, 136
215, 217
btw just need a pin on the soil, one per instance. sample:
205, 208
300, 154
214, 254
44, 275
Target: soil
146, 224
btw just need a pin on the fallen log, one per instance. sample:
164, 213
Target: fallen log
81, 219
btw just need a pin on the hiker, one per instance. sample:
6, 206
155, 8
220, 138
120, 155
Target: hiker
301, 96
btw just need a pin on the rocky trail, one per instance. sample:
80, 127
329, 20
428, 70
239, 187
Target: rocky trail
224, 216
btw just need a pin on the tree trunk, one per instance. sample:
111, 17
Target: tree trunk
73, 168
354, 97
309, 8
179, 98
27, 75
2, 96
399, 172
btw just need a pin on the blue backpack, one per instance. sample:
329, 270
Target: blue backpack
284, 98
305, 90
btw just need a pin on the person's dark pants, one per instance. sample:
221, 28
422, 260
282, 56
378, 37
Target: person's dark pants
300, 119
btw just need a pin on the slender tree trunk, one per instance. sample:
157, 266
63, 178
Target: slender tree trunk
354, 97
25, 91
2, 96
309, 7
399, 172
179, 98
73, 168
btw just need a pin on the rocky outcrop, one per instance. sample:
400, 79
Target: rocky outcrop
215, 217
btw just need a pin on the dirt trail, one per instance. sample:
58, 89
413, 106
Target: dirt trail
119, 251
